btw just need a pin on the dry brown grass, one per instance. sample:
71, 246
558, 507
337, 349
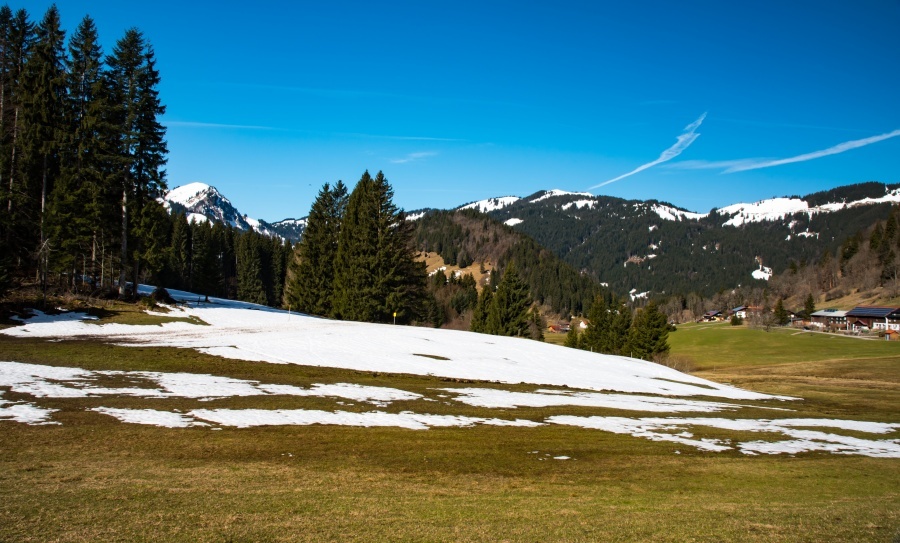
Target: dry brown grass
434, 261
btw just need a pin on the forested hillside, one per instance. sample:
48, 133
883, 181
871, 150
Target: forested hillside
652, 246
467, 236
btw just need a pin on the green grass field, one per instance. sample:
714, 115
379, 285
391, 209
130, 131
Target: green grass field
96, 479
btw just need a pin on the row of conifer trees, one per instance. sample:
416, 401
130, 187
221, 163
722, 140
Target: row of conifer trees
614, 329
355, 260
81, 152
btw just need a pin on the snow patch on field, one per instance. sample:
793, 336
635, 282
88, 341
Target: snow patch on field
676, 430
493, 398
25, 413
513, 222
54, 382
247, 418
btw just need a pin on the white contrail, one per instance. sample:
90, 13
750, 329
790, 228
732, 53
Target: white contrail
839, 148
682, 143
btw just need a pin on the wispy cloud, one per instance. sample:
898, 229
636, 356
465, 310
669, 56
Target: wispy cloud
712, 164
193, 124
755, 164
412, 157
681, 143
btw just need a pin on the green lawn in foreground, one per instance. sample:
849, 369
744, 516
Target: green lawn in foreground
96, 479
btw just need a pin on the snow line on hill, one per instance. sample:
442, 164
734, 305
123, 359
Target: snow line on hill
42, 381
246, 332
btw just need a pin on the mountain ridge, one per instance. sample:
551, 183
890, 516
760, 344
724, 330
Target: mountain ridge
649, 247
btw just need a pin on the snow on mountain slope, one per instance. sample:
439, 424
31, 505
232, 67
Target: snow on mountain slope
203, 203
556, 192
491, 204
578, 204
776, 209
669, 213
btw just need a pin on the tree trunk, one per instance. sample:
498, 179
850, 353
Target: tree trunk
124, 243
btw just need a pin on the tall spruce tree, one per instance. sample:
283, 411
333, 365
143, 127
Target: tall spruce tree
508, 314
250, 262
809, 306
780, 313
310, 278
620, 328
83, 203
482, 310
376, 274
597, 336
649, 333
141, 148
43, 98
18, 40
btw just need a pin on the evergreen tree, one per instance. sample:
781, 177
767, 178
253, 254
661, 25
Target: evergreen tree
482, 309
43, 98
508, 314
620, 328
141, 147
648, 336
597, 336
83, 212
780, 313
206, 267
572, 337
18, 39
309, 286
250, 285
376, 273
809, 307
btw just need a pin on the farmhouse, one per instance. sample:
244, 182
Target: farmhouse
713, 315
874, 317
829, 318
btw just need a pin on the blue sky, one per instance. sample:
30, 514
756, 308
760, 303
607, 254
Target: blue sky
460, 101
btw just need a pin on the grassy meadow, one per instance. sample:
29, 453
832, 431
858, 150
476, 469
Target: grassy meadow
93, 478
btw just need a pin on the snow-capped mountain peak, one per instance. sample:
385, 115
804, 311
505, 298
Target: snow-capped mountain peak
202, 202
192, 193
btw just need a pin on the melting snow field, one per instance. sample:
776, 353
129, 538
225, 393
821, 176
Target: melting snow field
246, 332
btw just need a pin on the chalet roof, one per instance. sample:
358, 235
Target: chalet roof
876, 312
739, 308
831, 313
713, 313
